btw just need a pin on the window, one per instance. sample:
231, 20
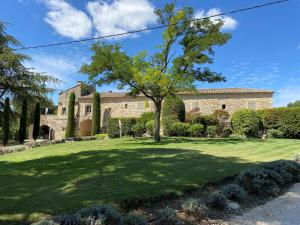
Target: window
195, 106
252, 105
140, 106
63, 110
88, 109
126, 105
223, 106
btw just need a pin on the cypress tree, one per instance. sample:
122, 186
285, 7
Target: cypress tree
6, 122
23, 122
71, 122
96, 114
36, 121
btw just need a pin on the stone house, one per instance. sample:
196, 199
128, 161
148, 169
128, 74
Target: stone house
118, 104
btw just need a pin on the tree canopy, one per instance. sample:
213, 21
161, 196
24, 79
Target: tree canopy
177, 64
294, 104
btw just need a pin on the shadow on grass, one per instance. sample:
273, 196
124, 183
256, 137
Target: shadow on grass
58, 184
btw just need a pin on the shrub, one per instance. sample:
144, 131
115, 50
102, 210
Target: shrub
6, 122
275, 133
150, 127
113, 129
211, 131
145, 117
226, 132
217, 200
205, 120
67, 219
46, 222
196, 130
138, 129
134, 219
166, 216
23, 122
194, 207
106, 213
234, 192
101, 136
96, 114
70, 129
220, 115
127, 124
179, 129
167, 125
173, 106
245, 122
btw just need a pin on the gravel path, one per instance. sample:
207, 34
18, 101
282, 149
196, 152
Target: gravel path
284, 210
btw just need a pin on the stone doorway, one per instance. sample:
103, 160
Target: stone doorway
46, 133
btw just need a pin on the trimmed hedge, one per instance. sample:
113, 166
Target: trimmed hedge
127, 126
245, 122
197, 130
205, 120
113, 129
212, 131
287, 120
178, 129
174, 107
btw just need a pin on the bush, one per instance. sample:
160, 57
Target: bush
196, 130
67, 219
127, 126
194, 207
70, 129
205, 120
150, 127
46, 222
218, 200
113, 129
226, 133
234, 192
220, 115
211, 131
134, 219
106, 213
145, 117
178, 129
245, 122
173, 106
138, 129
275, 133
101, 136
166, 216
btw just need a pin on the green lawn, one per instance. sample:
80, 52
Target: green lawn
65, 177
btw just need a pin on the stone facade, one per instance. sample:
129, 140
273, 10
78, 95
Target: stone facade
118, 104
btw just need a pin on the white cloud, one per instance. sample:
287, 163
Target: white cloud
121, 16
229, 22
66, 20
286, 95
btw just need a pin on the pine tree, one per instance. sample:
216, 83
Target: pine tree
96, 114
36, 122
23, 122
71, 122
6, 122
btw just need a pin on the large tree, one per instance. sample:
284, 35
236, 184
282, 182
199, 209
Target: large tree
176, 66
294, 104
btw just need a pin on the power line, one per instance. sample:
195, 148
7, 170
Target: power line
153, 28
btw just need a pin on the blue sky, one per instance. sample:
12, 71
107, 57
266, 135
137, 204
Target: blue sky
264, 51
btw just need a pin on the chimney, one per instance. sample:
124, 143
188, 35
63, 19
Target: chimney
79, 82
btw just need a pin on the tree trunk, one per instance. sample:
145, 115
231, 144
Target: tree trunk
156, 135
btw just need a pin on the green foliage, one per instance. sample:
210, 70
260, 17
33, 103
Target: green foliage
23, 122
177, 129
226, 132
234, 192
286, 120
46, 222
205, 120
101, 136
275, 133
194, 207
127, 126
36, 121
134, 219
96, 114
196, 130
113, 129
294, 104
6, 122
174, 107
70, 129
217, 200
138, 129
150, 127
145, 117
211, 131
166, 216
245, 122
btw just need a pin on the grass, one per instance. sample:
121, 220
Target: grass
65, 177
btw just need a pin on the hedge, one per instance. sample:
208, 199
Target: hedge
174, 107
196, 130
150, 127
127, 126
205, 120
113, 129
245, 122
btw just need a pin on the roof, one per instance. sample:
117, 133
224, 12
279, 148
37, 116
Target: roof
200, 91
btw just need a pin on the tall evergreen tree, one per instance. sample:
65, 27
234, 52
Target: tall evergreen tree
6, 122
36, 122
70, 130
96, 114
23, 122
